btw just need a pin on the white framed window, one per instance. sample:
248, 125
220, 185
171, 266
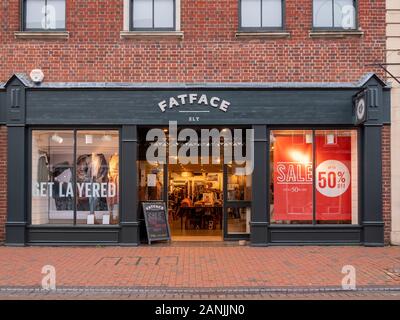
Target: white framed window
44, 15
153, 15
261, 14
335, 14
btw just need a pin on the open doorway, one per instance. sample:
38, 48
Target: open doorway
195, 202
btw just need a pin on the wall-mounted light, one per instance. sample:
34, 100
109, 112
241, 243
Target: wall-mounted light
56, 138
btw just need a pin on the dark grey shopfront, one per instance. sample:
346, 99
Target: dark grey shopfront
126, 108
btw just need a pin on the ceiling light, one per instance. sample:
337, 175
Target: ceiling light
88, 139
56, 138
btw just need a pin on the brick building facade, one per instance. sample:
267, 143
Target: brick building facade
97, 47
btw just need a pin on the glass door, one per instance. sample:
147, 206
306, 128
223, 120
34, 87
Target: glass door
237, 203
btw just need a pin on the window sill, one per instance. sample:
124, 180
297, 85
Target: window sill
335, 34
63, 35
257, 34
151, 34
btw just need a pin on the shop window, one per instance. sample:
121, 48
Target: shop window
336, 177
313, 177
291, 176
153, 14
334, 14
151, 181
97, 177
84, 190
52, 177
44, 15
261, 14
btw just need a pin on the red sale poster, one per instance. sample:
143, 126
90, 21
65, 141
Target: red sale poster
293, 178
333, 174
293, 182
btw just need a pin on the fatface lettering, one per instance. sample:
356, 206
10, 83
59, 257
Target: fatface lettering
194, 99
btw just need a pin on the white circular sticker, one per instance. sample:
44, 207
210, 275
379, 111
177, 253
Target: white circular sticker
333, 178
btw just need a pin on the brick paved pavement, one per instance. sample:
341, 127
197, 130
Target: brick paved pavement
207, 269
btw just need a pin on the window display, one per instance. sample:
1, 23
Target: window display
84, 191
291, 176
52, 176
336, 174
298, 155
97, 177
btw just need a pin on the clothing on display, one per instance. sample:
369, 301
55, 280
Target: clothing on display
91, 168
62, 175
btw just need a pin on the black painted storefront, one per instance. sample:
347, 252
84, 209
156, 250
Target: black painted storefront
264, 106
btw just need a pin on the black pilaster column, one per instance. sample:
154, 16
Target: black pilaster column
259, 221
129, 189
372, 219
16, 164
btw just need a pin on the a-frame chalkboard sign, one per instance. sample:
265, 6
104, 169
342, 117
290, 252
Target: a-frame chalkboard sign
156, 219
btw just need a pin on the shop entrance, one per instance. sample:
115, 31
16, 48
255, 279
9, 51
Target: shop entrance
195, 202
206, 199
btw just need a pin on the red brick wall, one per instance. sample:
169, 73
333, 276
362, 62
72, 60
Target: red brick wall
3, 181
386, 186
209, 52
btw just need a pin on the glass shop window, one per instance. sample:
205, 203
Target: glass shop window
291, 172
97, 177
59, 196
336, 171
44, 14
151, 181
52, 177
295, 156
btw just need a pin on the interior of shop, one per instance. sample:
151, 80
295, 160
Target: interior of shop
194, 193
195, 201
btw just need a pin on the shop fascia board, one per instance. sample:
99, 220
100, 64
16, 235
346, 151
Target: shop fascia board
25, 80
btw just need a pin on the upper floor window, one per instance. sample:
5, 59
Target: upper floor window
261, 14
44, 15
153, 14
334, 14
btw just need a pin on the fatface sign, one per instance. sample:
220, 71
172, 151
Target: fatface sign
194, 99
